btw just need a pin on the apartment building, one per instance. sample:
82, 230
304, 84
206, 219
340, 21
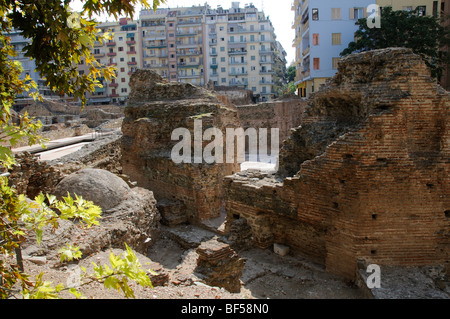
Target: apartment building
124, 52
29, 68
199, 45
324, 28
227, 47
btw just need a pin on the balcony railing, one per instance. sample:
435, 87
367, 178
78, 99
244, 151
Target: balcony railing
237, 52
110, 44
238, 73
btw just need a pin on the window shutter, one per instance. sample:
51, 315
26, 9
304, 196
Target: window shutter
352, 14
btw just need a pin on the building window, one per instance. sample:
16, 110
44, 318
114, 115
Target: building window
224, 80
336, 39
335, 63
316, 63
253, 58
315, 39
222, 59
435, 8
422, 11
222, 49
315, 14
124, 90
122, 59
122, 69
252, 47
357, 13
120, 49
335, 13
123, 80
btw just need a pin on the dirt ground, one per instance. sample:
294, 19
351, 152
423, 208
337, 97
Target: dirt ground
265, 276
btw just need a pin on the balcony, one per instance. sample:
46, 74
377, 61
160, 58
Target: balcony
132, 63
156, 66
237, 62
237, 52
111, 54
237, 41
190, 76
239, 30
238, 73
182, 33
112, 64
214, 66
113, 85
114, 95
266, 52
131, 52
111, 44
266, 72
157, 45
238, 83
184, 65
194, 52
188, 45
187, 22
100, 90
99, 55
131, 42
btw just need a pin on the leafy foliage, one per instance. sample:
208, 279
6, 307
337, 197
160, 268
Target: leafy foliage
423, 34
59, 40
291, 73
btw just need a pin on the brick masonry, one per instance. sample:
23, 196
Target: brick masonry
377, 186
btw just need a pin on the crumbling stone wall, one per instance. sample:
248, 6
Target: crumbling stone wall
283, 114
155, 109
366, 176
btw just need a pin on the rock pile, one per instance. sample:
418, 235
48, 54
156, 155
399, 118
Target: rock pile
219, 265
31, 176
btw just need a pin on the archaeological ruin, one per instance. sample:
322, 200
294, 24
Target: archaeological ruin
362, 176
365, 175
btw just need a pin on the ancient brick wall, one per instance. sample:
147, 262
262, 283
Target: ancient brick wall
282, 114
379, 190
155, 109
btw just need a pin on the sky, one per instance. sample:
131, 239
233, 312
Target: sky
279, 13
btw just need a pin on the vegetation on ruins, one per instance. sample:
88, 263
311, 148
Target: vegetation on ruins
423, 34
60, 39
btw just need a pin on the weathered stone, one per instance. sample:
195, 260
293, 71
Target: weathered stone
100, 186
172, 213
280, 249
219, 265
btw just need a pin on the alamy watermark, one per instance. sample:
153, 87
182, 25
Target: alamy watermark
374, 279
213, 152
374, 16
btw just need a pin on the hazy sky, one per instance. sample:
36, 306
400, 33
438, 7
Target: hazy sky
278, 11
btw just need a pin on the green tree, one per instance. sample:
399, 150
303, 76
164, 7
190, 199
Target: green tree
423, 34
291, 73
59, 39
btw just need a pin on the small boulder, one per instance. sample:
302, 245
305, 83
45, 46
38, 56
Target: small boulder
99, 186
